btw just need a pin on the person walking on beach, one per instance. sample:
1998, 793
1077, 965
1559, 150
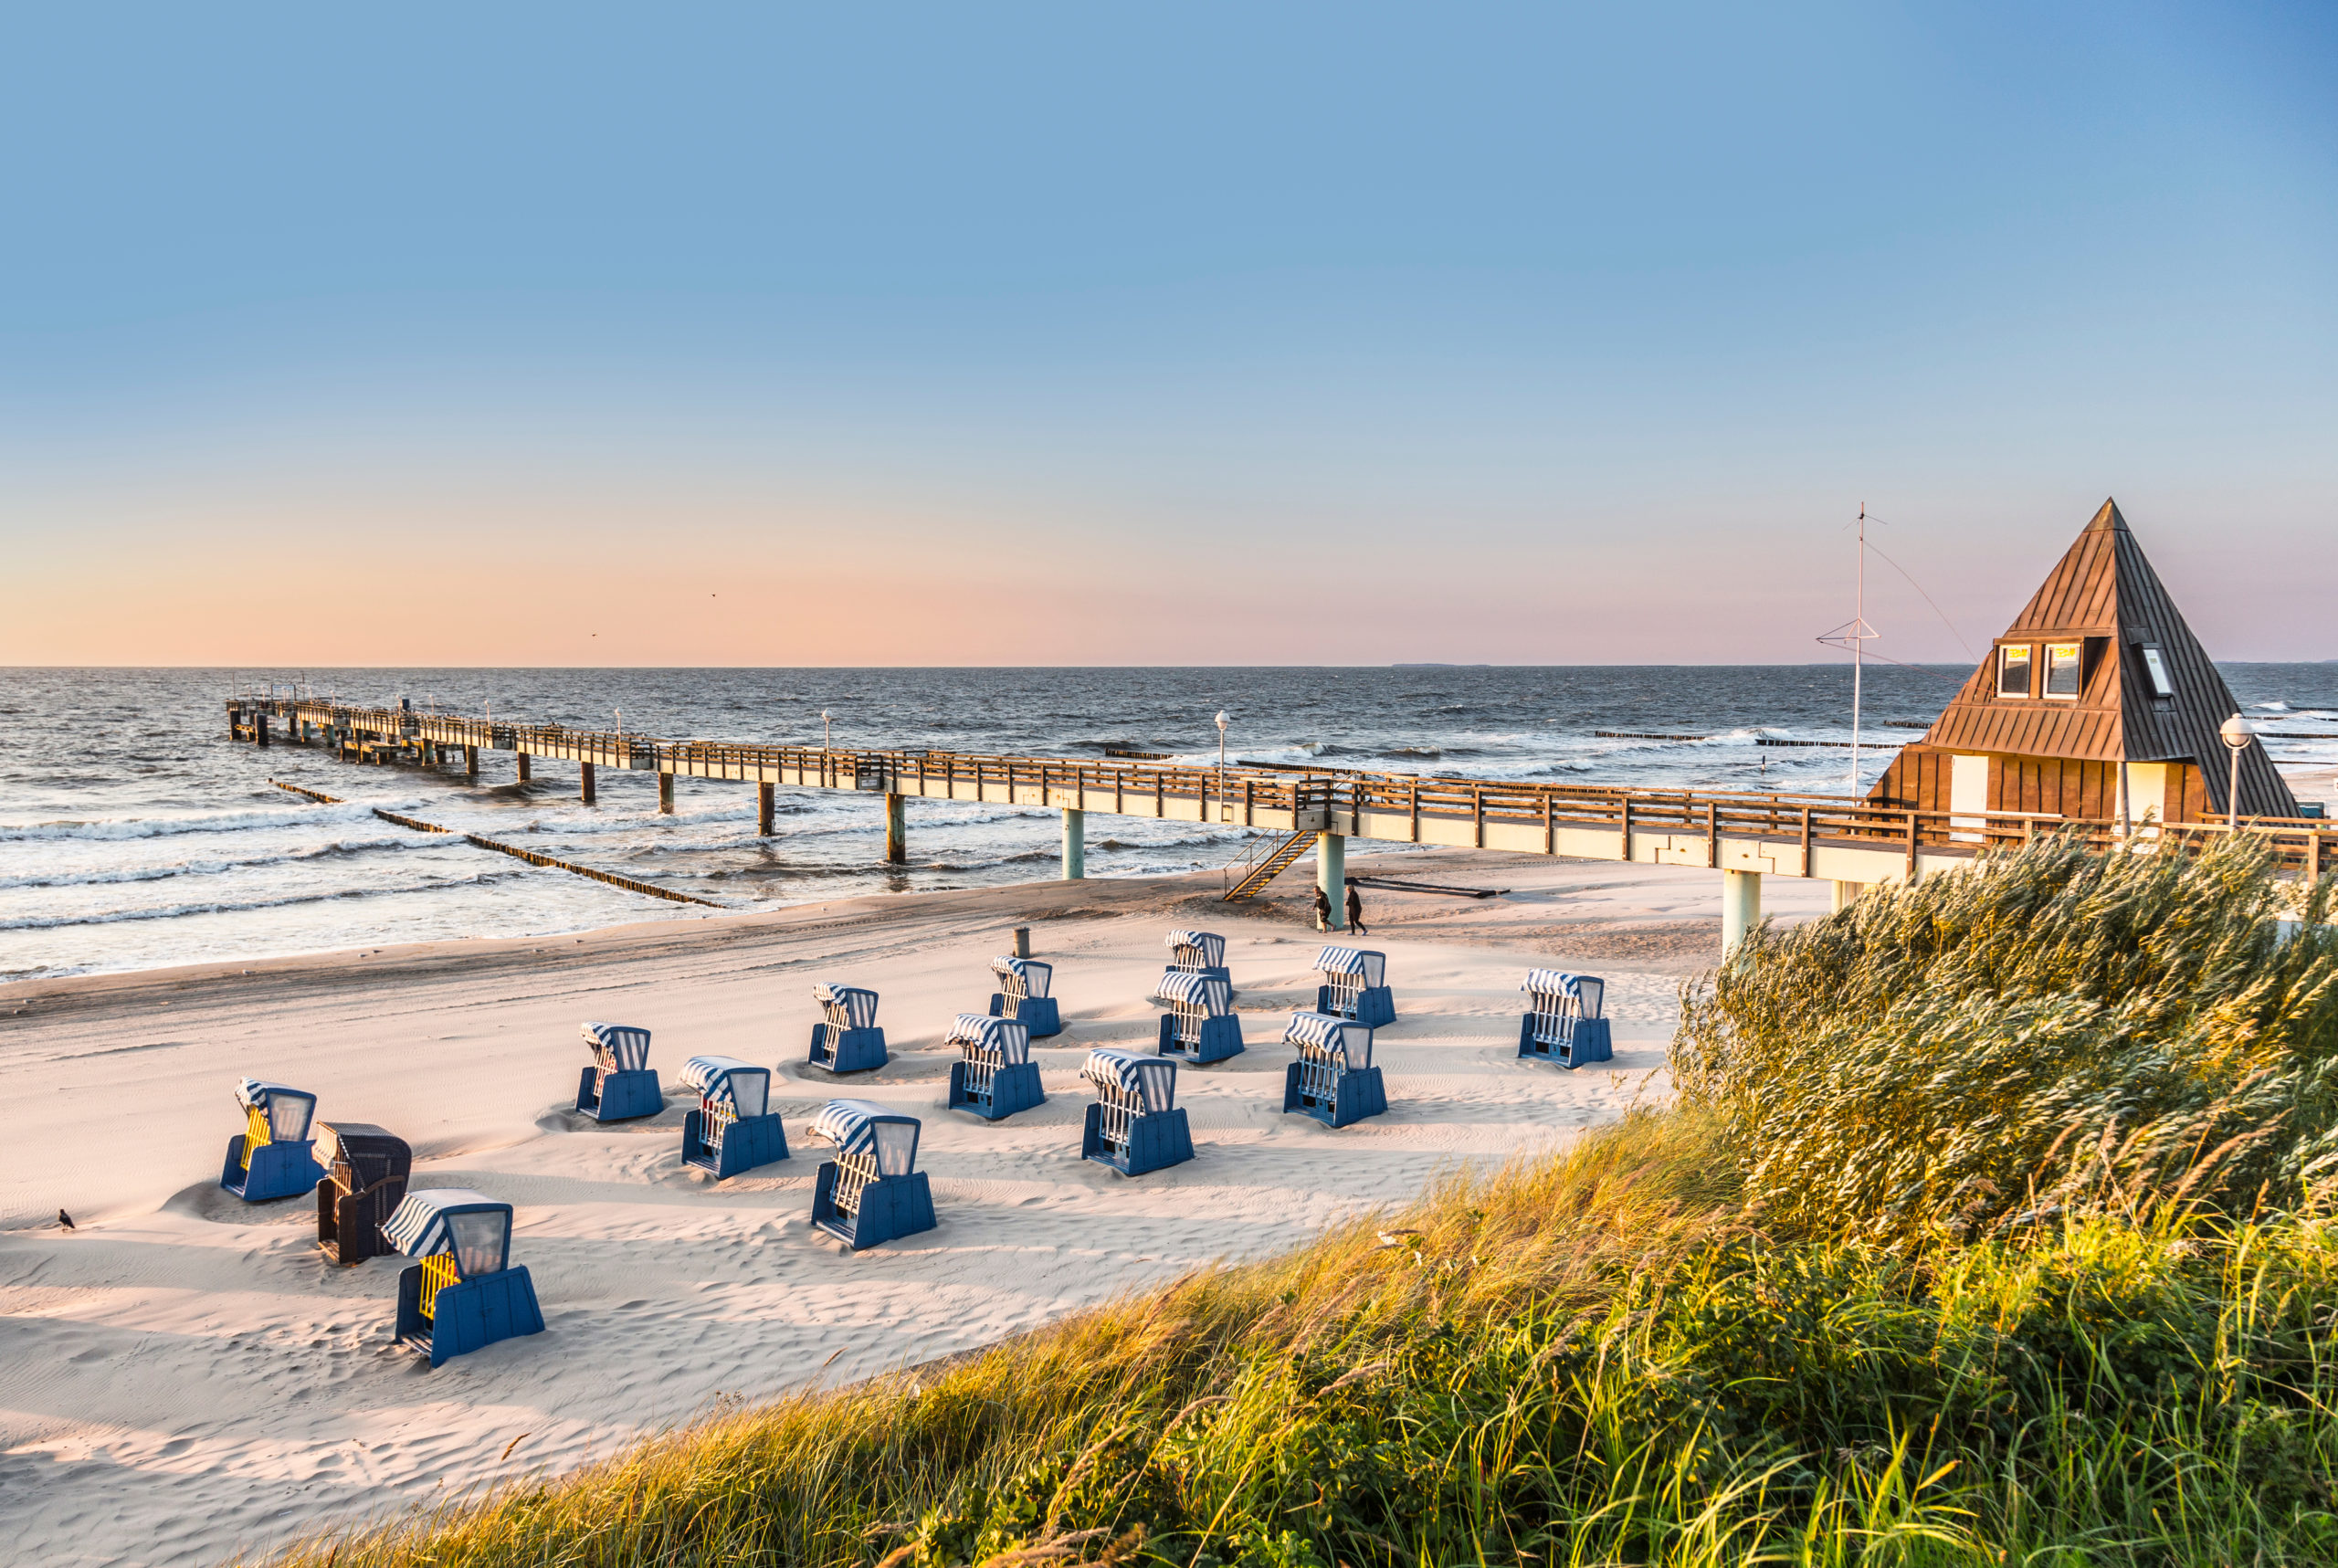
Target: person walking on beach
1322, 909
1355, 912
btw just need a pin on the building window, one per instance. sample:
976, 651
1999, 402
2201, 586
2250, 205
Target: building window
2155, 666
2063, 668
2013, 670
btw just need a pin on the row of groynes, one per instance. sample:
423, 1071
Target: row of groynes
1992, 1225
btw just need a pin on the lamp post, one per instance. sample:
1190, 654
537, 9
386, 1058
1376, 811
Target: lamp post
1221, 764
2236, 732
823, 729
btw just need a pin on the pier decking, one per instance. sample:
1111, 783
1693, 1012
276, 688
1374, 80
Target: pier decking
1746, 835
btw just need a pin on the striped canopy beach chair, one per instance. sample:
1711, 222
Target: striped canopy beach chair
1356, 986
1562, 1022
1135, 1125
847, 1040
1334, 1081
619, 1085
1022, 995
366, 1169
463, 1292
995, 1076
872, 1191
1201, 1024
734, 1127
1198, 953
273, 1156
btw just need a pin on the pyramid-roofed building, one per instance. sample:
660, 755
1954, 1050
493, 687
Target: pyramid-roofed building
2097, 703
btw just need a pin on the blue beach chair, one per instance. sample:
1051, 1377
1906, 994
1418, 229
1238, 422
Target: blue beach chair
1562, 1022
1356, 986
1135, 1125
463, 1293
849, 1039
872, 1191
1201, 1024
734, 1128
1333, 1080
620, 1084
273, 1156
1199, 953
1022, 995
994, 1076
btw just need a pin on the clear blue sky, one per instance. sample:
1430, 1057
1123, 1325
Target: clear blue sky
1154, 335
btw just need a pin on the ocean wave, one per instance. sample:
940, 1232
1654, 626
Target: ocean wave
176, 912
122, 827
406, 840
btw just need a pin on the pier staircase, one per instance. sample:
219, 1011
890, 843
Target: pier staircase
1269, 857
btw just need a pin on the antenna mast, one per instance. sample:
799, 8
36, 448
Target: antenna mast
1855, 635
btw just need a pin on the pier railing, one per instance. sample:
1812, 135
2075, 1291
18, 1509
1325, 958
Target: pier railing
1554, 818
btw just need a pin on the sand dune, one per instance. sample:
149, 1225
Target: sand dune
186, 1376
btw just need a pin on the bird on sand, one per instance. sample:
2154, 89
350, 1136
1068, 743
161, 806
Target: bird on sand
65, 1219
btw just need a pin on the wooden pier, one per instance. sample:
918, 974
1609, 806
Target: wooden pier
1745, 836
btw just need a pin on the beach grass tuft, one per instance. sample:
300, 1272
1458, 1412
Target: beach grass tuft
1990, 1228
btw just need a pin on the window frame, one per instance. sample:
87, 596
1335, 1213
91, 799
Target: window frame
2077, 668
2027, 659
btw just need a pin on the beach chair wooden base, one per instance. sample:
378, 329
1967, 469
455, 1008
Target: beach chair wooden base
839, 1051
1037, 1014
349, 1225
1012, 1088
889, 1208
468, 1315
750, 1141
1355, 1094
1375, 1005
1154, 1141
1587, 1041
1220, 1038
277, 1171
623, 1097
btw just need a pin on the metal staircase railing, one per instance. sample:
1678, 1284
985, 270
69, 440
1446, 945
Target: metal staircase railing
1267, 858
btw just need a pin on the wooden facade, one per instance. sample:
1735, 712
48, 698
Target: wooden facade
2096, 704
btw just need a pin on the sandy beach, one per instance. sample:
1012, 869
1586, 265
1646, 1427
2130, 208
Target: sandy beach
187, 1377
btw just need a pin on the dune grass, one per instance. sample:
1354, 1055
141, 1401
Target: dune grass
1852, 1301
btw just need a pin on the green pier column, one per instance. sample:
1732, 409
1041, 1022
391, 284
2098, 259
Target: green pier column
470, 763
1332, 874
763, 810
1844, 893
665, 795
585, 783
526, 772
1741, 907
896, 829
1075, 844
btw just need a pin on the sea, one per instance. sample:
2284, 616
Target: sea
135, 834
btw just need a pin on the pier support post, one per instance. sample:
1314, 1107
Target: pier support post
585, 783
896, 829
1843, 894
259, 729
470, 763
1741, 907
235, 723
665, 795
1332, 874
526, 772
764, 793
1075, 844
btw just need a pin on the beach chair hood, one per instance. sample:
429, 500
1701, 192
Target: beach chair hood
1003, 1038
1586, 989
726, 1081
1035, 974
619, 1048
1213, 996
1207, 947
372, 1153
863, 1126
288, 1109
1332, 1036
1353, 961
472, 1225
852, 1006
1153, 1078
